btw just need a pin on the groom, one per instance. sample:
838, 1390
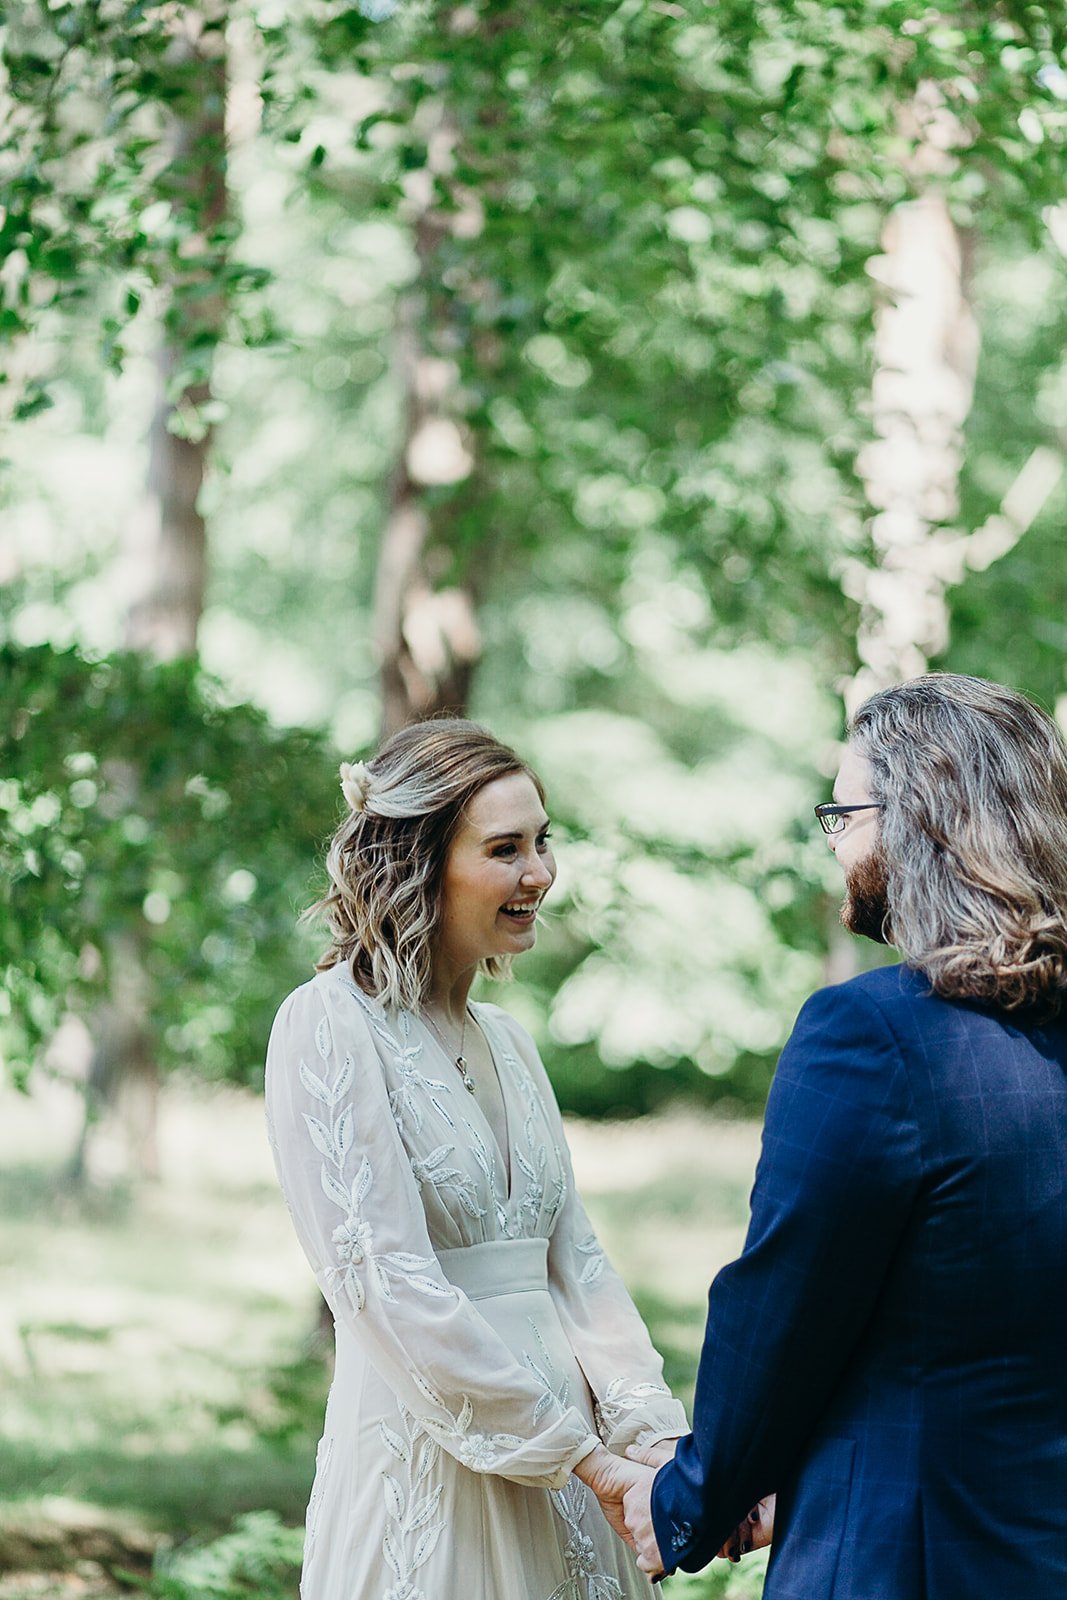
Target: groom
889, 1352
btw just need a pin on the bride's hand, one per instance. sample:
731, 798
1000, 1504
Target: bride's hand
610, 1476
756, 1531
654, 1455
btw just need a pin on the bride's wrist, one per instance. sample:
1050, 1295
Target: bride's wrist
589, 1466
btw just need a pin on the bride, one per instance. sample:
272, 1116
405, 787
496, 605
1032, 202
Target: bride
491, 1368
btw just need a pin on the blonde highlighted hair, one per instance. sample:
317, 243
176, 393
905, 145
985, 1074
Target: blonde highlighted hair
972, 779
386, 861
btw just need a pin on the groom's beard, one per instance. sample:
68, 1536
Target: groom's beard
866, 904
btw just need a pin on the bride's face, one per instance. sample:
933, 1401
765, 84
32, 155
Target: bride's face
498, 870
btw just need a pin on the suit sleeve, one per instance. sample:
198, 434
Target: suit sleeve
835, 1186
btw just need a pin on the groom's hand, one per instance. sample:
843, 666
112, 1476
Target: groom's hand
756, 1531
610, 1477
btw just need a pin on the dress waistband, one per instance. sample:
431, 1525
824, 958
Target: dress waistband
497, 1266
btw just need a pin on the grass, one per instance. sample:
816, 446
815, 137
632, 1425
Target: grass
163, 1391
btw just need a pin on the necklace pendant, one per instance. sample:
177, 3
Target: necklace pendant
468, 1081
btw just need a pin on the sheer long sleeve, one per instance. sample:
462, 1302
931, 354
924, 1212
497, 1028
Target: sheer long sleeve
602, 1324
358, 1213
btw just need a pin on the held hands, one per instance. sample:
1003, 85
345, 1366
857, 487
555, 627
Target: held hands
637, 1504
756, 1531
624, 1489
611, 1480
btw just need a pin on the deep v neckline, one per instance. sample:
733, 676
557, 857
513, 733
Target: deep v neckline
504, 1152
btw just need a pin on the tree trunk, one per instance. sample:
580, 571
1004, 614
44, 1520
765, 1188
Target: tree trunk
427, 636
428, 640
166, 550
119, 1132
169, 543
169, 539
926, 352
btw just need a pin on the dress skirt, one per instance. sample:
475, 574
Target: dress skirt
420, 1525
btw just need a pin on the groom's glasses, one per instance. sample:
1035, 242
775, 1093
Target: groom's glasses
833, 818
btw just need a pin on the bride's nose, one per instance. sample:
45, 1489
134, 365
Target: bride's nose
536, 874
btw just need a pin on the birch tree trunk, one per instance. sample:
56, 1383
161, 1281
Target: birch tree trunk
926, 355
926, 358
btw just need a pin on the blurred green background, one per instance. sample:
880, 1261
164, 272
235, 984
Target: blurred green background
649, 380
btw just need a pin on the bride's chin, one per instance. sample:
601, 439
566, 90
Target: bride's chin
516, 945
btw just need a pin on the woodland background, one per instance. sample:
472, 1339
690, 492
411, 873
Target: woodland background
649, 379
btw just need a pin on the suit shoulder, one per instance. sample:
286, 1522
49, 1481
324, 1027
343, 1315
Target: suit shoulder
896, 1003
886, 993
889, 985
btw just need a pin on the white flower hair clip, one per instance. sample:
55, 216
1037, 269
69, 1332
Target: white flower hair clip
355, 782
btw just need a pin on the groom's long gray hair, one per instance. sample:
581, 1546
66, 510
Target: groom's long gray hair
972, 778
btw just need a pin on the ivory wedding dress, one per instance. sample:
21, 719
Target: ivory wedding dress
483, 1341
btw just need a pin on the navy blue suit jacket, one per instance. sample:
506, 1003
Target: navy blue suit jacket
889, 1352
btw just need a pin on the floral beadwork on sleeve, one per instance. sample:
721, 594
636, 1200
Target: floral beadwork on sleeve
358, 1263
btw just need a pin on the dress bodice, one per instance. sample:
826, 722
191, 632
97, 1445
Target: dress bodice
472, 1192
389, 1167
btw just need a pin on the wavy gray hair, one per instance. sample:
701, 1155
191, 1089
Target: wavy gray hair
386, 861
972, 778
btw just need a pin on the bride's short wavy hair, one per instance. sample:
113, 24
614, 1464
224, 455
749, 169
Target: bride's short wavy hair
386, 861
972, 778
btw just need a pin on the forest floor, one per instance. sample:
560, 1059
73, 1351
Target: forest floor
162, 1374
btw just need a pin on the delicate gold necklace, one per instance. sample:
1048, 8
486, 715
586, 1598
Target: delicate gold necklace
460, 1060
